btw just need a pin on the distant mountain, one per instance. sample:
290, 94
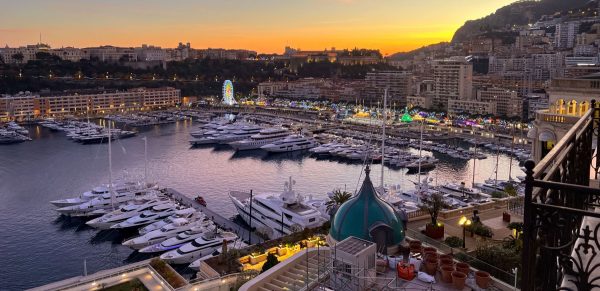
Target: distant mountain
518, 13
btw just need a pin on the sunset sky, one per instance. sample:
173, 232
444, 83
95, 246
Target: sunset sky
262, 25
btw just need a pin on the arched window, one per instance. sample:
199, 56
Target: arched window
572, 109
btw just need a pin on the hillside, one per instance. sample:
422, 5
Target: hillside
518, 13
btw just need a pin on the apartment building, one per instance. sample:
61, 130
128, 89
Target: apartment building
508, 103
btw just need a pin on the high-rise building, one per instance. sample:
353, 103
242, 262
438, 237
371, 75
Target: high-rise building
399, 84
453, 80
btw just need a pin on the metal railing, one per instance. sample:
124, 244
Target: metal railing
561, 249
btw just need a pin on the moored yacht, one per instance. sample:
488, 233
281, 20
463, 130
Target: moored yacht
97, 192
187, 213
170, 230
265, 136
125, 212
277, 214
154, 214
234, 245
291, 143
238, 134
105, 202
198, 248
180, 239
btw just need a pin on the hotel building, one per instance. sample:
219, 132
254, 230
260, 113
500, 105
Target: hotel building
453, 80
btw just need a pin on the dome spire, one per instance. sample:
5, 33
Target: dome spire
367, 170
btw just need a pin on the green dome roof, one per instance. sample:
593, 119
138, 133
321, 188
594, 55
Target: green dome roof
357, 216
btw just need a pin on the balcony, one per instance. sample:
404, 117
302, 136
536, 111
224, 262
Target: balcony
546, 116
561, 247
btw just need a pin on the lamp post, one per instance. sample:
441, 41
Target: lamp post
464, 222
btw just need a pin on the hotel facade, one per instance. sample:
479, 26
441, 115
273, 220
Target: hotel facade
86, 102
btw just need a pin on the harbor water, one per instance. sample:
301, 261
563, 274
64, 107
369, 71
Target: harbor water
37, 246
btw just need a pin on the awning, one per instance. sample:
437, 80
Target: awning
547, 136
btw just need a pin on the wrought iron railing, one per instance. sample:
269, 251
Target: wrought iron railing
561, 247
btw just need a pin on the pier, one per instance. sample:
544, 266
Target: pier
241, 230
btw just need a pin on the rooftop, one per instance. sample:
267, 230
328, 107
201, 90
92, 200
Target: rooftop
353, 245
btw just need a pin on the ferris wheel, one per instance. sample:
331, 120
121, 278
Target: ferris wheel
228, 93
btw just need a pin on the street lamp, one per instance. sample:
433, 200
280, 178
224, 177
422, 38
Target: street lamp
464, 222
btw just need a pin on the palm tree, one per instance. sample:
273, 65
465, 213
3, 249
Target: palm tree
338, 198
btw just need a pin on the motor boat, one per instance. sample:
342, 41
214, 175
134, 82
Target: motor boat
170, 230
291, 143
198, 248
180, 239
277, 214
149, 216
125, 212
238, 134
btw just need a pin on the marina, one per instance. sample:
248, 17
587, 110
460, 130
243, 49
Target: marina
173, 164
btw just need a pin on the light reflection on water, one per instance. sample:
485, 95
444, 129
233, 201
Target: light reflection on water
41, 247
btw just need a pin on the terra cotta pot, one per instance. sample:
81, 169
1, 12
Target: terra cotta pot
431, 265
482, 279
458, 280
463, 268
447, 273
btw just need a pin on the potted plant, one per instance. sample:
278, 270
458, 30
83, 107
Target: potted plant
463, 268
433, 204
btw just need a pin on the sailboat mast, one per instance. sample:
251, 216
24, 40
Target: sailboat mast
383, 134
145, 161
512, 148
474, 159
420, 151
110, 183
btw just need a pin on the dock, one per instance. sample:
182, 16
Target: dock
241, 230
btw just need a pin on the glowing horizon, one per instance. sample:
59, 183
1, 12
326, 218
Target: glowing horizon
265, 26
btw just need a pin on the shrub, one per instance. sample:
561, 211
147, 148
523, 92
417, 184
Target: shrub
271, 261
454, 241
480, 229
504, 259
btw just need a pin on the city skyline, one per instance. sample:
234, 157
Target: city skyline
267, 26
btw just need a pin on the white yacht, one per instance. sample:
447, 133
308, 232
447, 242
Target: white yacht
170, 230
94, 193
198, 248
463, 193
187, 213
181, 239
106, 202
277, 214
291, 143
149, 216
238, 134
234, 245
125, 212
265, 136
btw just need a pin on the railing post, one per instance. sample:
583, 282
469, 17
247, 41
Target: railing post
596, 131
529, 237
